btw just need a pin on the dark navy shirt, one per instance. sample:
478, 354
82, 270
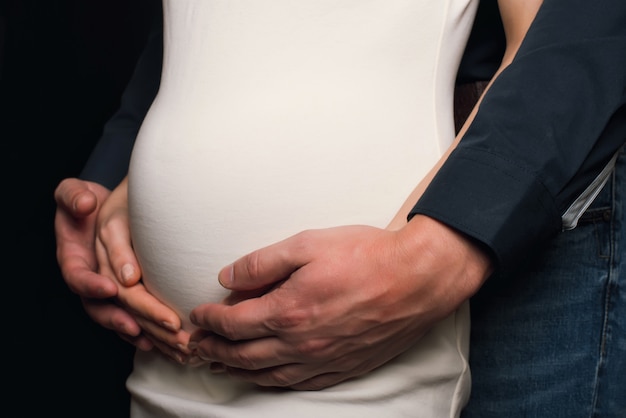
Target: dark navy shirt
543, 132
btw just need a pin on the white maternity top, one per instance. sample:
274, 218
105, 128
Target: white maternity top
276, 116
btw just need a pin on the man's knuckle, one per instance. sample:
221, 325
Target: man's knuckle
245, 361
286, 319
313, 348
252, 265
316, 383
303, 240
228, 330
280, 378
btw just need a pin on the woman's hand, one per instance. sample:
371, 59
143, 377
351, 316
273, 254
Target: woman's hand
116, 259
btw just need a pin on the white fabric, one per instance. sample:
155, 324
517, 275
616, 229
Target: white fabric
276, 116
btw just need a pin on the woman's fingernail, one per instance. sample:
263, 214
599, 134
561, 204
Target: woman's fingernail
128, 271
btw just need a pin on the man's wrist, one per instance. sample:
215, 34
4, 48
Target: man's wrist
466, 261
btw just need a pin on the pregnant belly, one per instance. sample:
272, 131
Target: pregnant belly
203, 194
208, 184
303, 115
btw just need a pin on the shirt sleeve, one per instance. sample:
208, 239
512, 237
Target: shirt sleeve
109, 160
544, 131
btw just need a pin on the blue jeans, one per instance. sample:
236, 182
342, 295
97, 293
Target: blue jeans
550, 340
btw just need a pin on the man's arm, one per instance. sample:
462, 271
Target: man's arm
108, 162
543, 133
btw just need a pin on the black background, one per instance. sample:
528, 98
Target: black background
64, 65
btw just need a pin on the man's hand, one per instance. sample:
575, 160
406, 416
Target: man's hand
78, 204
341, 302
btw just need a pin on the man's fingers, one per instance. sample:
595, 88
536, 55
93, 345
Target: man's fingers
246, 320
82, 280
322, 381
274, 363
142, 342
111, 316
251, 355
268, 265
75, 197
291, 376
283, 376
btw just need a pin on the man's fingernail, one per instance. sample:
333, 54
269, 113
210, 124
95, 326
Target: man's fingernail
228, 279
127, 272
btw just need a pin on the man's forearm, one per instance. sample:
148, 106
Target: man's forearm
108, 162
540, 136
